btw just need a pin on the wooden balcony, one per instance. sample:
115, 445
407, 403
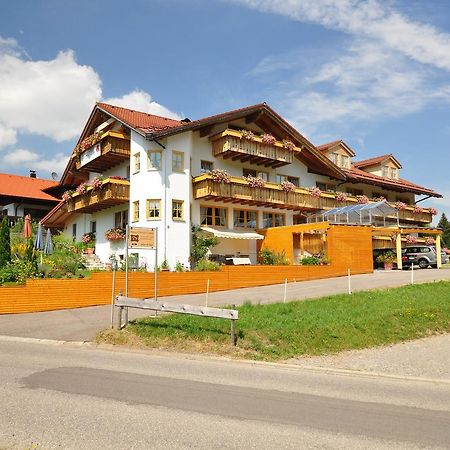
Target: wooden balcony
272, 195
112, 193
112, 149
230, 144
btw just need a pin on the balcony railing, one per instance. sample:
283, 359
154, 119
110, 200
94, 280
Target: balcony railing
112, 149
230, 144
272, 195
112, 193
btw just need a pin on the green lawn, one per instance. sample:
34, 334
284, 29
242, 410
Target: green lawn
312, 327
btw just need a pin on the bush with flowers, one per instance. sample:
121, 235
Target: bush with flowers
400, 206
288, 145
410, 239
362, 199
267, 138
248, 135
315, 192
255, 182
96, 183
287, 186
418, 210
115, 234
82, 188
220, 176
433, 211
67, 195
88, 142
429, 241
340, 197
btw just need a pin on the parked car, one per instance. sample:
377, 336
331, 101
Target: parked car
422, 256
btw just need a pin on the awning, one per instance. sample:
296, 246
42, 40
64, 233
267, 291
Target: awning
233, 234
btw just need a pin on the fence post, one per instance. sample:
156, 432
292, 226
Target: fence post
207, 292
233, 331
285, 289
412, 273
349, 282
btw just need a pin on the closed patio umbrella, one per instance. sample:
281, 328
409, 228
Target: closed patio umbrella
48, 249
27, 227
39, 241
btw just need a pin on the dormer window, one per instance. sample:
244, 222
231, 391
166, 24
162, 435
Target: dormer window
394, 173
334, 158
345, 161
385, 171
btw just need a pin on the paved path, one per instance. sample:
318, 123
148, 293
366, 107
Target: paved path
83, 323
77, 396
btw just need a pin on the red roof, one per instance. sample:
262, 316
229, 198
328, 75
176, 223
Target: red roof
140, 120
328, 145
374, 161
25, 187
357, 175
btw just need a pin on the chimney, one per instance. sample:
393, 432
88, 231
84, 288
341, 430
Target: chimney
32, 174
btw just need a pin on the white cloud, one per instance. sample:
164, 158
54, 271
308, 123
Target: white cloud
370, 18
28, 159
142, 101
8, 136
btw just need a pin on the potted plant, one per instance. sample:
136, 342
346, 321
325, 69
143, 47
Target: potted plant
387, 259
115, 234
88, 242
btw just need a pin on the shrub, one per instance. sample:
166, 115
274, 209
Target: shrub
5, 243
271, 258
205, 265
310, 261
201, 243
17, 271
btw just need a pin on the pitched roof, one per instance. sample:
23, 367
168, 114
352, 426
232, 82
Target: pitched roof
357, 175
376, 160
140, 120
325, 147
26, 187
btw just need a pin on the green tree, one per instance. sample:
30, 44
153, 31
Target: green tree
5, 243
201, 242
445, 226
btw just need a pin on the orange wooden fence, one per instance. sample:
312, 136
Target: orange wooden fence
51, 294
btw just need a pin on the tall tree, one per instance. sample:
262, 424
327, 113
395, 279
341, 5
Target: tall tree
444, 224
5, 243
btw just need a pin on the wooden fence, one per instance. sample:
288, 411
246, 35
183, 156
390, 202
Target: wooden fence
51, 294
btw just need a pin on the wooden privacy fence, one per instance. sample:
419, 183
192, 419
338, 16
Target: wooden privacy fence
52, 294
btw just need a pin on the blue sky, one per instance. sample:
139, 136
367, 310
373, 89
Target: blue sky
374, 73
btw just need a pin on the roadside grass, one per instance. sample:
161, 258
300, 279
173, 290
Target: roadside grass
312, 327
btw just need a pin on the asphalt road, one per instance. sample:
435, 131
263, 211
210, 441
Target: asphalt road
78, 396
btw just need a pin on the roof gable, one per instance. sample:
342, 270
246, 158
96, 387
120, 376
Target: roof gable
335, 145
377, 161
26, 187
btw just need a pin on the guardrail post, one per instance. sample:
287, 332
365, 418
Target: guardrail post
233, 331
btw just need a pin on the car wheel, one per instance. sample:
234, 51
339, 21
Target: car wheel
423, 263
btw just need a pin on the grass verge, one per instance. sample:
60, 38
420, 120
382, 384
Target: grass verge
313, 327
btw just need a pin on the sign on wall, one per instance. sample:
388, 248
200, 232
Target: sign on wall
140, 237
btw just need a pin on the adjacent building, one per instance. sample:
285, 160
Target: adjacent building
232, 174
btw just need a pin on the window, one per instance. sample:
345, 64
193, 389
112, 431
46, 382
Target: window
401, 199
345, 161
206, 166
136, 163
333, 157
93, 227
177, 209
121, 219
273, 219
385, 171
354, 192
136, 211
255, 173
377, 195
213, 216
294, 180
394, 173
74, 232
243, 218
154, 160
325, 186
153, 209
177, 161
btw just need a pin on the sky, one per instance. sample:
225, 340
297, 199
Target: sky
374, 73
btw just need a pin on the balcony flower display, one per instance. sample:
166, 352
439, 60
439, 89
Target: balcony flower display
88, 142
433, 211
115, 234
362, 199
88, 238
287, 186
268, 139
247, 135
67, 195
315, 192
288, 145
341, 197
418, 210
82, 188
400, 206
116, 177
255, 182
411, 239
220, 176
96, 183
430, 241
